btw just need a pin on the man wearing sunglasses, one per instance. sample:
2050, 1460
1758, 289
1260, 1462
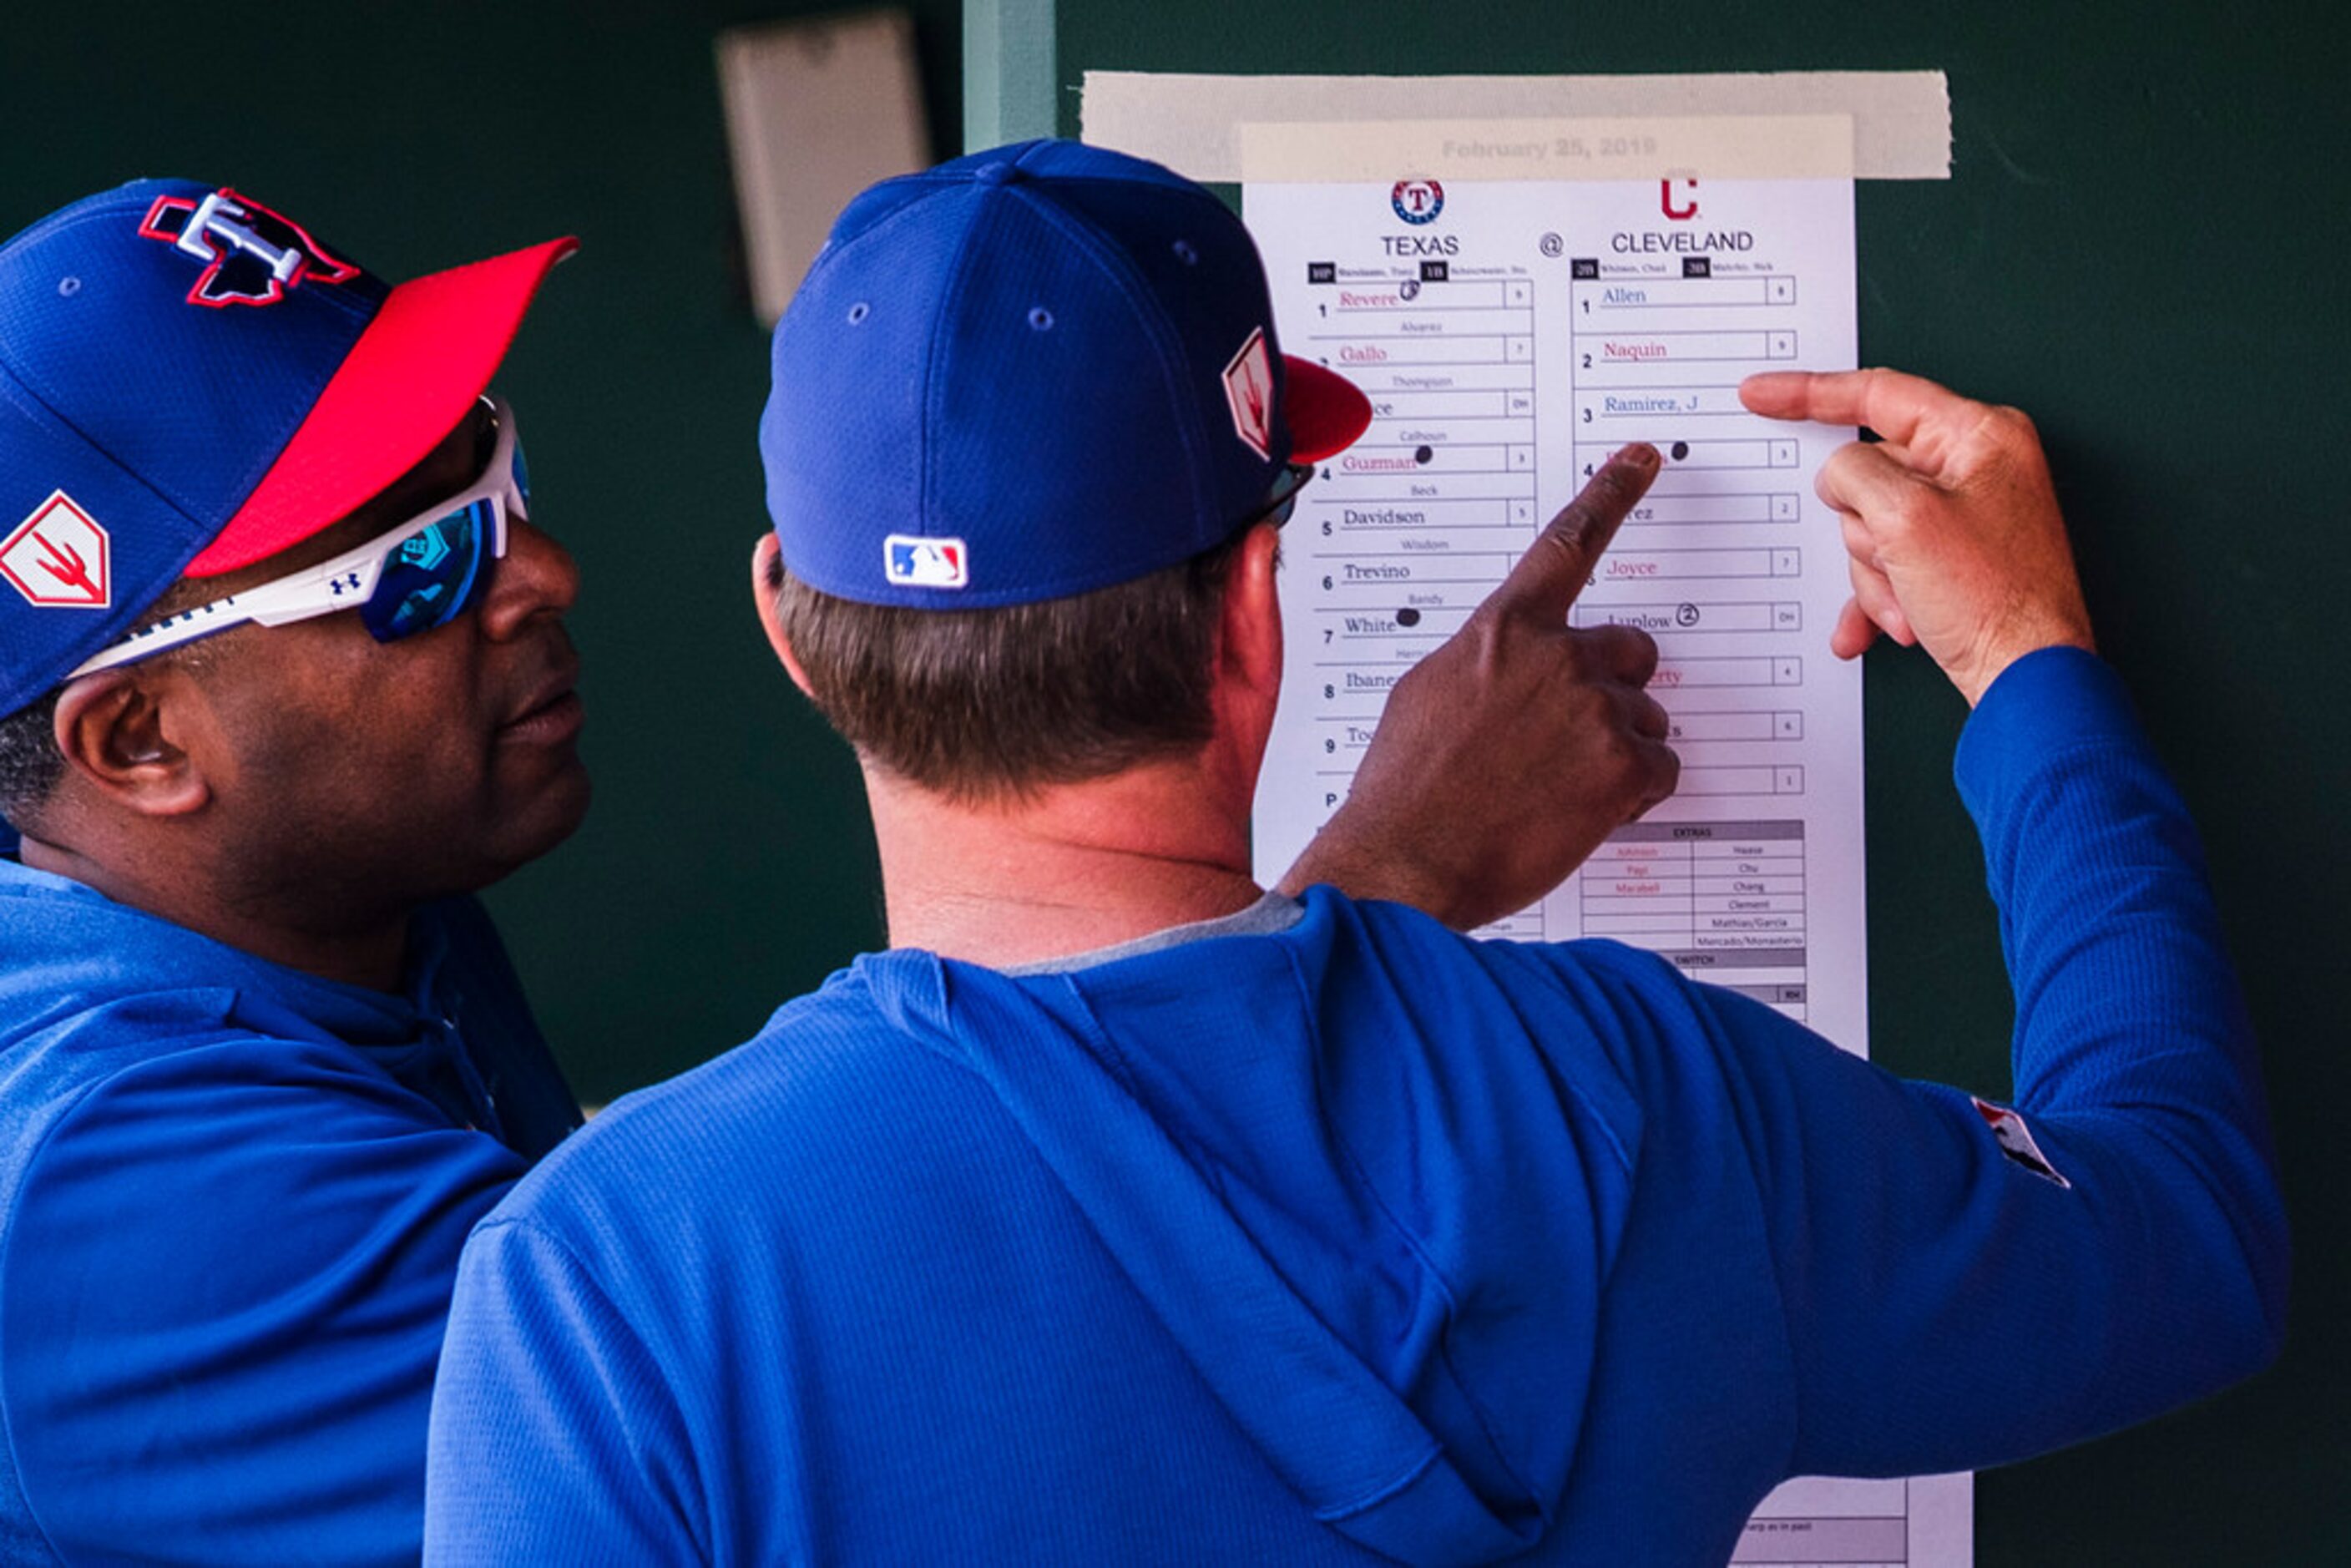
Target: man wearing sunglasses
264, 1065
283, 676
1125, 1213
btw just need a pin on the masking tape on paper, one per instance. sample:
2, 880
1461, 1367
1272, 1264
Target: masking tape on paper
1786, 147
1198, 125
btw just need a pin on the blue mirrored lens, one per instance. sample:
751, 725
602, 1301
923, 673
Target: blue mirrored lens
521, 475
429, 575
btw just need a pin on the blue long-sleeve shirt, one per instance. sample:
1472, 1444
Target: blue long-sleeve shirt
232, 1197
1362, 1241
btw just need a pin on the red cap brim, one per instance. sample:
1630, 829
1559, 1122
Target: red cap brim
1327, 412
418, 367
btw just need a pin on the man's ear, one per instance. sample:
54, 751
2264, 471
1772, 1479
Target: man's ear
767, 593
1249, 640
120, 733
1248, 661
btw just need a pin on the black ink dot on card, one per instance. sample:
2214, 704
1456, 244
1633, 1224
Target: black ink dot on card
1407, 616
1424, 454
1681, 450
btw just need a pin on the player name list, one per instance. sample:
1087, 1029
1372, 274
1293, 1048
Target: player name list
1411, 527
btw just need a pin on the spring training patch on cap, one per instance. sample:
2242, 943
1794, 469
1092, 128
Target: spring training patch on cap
1248, 387
59, 558
910, 560
2016, 1141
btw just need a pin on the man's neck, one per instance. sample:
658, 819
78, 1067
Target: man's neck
369, 952
1072, 869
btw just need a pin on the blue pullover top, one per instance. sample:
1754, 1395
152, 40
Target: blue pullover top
1362, 1241
232, 1197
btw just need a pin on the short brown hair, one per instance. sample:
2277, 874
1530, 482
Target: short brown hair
981, 704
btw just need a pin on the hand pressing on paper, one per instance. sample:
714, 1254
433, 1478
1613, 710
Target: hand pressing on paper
1950, 522
1507, 755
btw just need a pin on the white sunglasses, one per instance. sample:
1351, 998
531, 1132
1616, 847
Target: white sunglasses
412, 579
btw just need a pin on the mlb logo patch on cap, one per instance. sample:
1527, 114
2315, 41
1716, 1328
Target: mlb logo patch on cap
910, 560
59, 558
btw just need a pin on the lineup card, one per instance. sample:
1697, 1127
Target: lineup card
1511, 333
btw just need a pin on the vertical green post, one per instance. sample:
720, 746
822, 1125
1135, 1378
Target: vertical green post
1007, 71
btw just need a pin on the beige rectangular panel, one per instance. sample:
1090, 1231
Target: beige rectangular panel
816, 111
1901, 119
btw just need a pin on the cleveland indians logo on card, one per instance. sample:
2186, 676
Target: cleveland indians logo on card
251, 254
910, 560
1248, 387
59, 558
2016, 1141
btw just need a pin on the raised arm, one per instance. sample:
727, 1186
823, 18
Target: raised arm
1506, 755
1966, 1283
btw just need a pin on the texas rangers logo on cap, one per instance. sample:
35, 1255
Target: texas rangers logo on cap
1248, 388
251, 256
910, 560
59, 558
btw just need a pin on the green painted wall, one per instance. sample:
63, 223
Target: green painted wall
2143, 245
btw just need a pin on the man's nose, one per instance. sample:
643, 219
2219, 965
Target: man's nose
538, 577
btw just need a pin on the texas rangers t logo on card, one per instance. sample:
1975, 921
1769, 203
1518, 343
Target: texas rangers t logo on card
59, 558
251, 254
1248, 387
910, 560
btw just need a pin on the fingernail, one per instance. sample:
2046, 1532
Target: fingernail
1640, 455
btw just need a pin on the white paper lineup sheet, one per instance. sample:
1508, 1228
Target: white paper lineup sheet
1511, 333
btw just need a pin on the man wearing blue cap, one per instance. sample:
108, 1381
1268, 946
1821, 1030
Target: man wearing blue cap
1124, 1212
262, 1063
263, 1067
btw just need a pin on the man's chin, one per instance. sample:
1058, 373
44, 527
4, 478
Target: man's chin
537, 827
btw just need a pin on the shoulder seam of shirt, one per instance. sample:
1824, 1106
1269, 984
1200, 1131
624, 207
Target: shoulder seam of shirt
1413, 1240
1624, 1160
576, 1265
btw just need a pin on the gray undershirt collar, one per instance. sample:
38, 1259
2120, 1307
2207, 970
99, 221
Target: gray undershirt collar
1268, 915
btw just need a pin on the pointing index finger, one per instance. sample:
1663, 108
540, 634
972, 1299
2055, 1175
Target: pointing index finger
1553, 571
1901, 408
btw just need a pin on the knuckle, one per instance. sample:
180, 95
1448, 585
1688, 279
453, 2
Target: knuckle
1905, 512
1636, 654
1562, 539
2013, 425
1484, 648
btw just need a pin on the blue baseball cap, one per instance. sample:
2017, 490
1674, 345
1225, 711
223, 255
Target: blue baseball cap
191, 383
1031, 372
